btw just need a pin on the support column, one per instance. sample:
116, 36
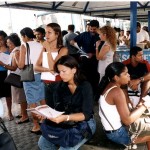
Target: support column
133, 21
149, 21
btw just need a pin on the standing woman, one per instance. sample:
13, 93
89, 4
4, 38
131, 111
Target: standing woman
114, 107
34, 91
18, 95
106, 53
5, 89
54, 48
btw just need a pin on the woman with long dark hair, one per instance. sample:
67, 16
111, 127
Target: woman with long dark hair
34, 91
53, 49
113, 107
73, 95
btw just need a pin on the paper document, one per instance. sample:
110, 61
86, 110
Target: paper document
48, 75
80, 51
146, 98
46, 111
5, 58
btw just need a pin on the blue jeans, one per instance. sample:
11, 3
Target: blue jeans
120, 136
46, 145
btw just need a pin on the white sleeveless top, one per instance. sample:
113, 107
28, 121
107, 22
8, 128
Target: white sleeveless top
35, 50
110, 112
17, 71
102, 64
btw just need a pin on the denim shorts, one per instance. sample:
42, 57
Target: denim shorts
120, 136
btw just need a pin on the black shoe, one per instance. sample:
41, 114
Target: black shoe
18, 116
36, 132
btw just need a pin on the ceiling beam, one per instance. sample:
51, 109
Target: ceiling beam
19, 6
85, 8
58, 5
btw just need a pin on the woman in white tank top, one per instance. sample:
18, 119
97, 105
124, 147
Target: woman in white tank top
53, 49
113, 108
105, 54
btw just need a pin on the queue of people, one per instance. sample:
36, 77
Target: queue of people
68, 73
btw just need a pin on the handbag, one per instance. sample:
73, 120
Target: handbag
27, 73
64, 136
6, 141
14, 80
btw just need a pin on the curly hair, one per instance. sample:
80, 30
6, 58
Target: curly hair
110, 36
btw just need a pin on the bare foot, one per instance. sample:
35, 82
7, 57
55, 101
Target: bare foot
10, 117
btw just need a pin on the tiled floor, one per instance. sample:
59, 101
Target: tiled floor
28, 141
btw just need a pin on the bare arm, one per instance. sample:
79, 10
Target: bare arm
119, 100
73, 117
101, 54
11, 67
20, 57
133, 84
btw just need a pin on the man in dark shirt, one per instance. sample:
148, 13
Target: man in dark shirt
87, 42
139, 71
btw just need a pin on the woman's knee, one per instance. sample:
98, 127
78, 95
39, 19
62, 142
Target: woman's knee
92, 125
45, 145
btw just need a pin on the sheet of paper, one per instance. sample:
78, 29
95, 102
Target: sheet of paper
47, 75
5, 58
146, 98
45, 111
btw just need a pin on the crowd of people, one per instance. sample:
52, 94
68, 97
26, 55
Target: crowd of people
71, 70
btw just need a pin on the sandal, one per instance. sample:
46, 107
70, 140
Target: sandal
38, 132
24, 121
18, 116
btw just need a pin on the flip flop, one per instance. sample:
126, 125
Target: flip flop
21, 122
18, 116
38, 132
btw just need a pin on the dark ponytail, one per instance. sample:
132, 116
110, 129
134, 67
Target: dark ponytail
115, 68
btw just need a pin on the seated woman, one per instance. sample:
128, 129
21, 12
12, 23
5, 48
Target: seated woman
74, 96
113, 108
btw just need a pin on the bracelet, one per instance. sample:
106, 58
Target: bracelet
4, 66
68, 117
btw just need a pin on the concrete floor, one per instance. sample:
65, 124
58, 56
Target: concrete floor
28, 141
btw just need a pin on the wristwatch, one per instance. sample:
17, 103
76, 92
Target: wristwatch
141, 79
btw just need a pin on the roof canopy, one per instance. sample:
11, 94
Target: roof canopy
106, 9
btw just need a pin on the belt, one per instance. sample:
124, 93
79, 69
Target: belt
111, 131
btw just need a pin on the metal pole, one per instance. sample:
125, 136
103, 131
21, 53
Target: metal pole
133, 20
148, 21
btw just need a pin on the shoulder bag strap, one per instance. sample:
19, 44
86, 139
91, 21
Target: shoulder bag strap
28, 54
102, 109
106, 117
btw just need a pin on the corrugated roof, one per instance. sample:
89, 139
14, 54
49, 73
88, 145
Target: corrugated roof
107, 9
